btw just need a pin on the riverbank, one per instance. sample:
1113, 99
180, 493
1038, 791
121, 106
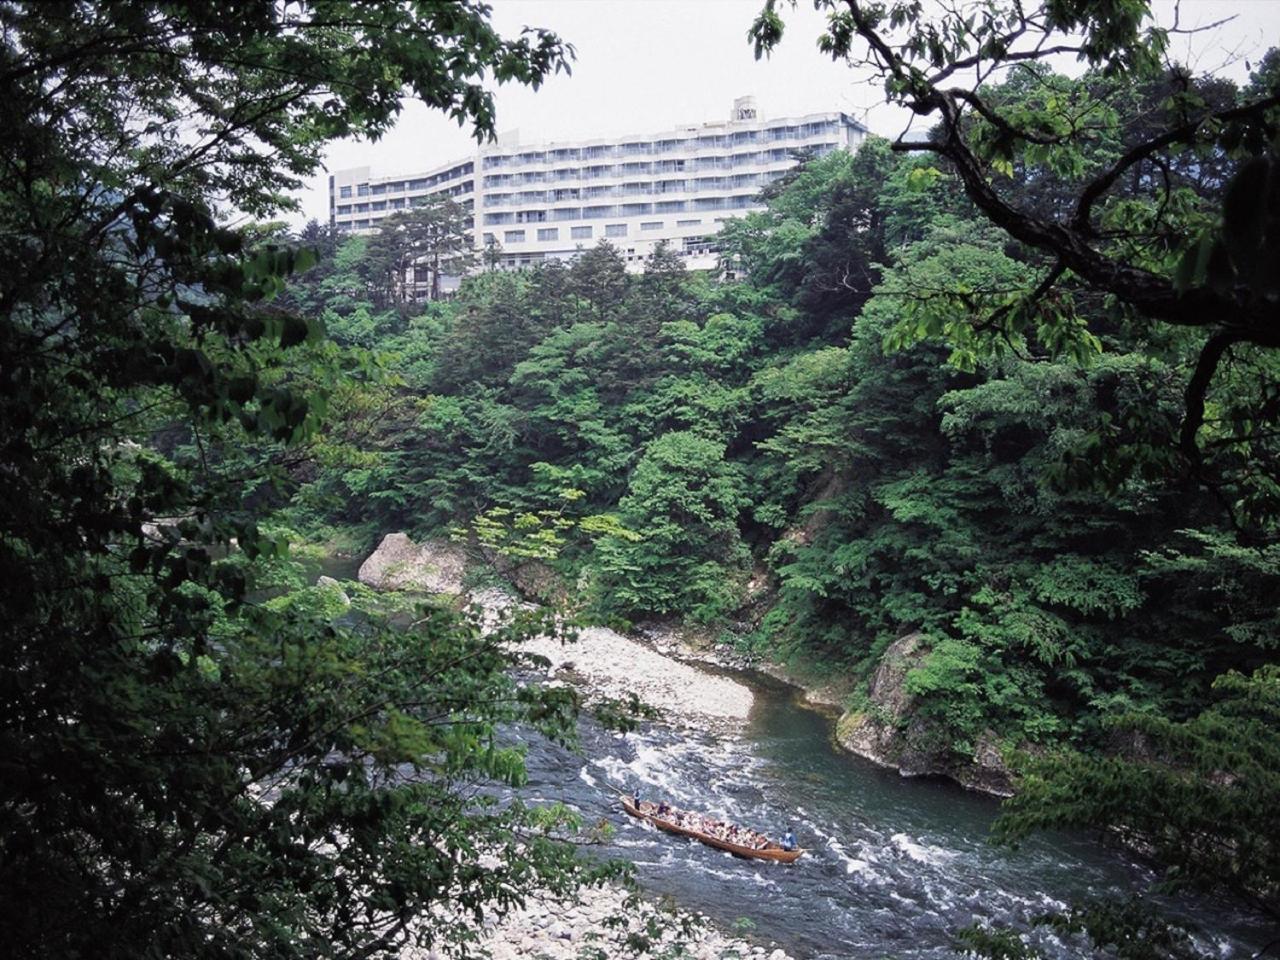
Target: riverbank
884, 731
608, 664
600, 919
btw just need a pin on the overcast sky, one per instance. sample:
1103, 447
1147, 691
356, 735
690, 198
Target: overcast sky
649, 65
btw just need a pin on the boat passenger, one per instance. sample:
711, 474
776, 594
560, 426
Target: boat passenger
663, 809
788, 840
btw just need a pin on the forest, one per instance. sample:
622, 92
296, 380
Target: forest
1015, 392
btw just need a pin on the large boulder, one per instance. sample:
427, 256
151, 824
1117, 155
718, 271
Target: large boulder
435, 566
884, 731
888, 732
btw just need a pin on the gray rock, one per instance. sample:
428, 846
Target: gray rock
400, 564
877, 732
888, 733
329, 583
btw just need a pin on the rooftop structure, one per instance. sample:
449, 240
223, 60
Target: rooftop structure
550, 200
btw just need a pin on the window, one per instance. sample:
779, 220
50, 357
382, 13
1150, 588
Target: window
397, 203
615, 230
493, 219
489, 238
651, 225
362, 190
580, 233
378, 205
549, 233
344, 191
362, 208
378, 188
344, 208
688, 223
513, 236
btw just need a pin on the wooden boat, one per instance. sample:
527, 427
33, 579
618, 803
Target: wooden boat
772, 852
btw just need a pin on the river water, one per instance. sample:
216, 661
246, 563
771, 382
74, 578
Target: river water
895, 865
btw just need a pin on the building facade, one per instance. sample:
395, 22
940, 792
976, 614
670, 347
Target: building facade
532, 202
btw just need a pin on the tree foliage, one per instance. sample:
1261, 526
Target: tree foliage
1140, 218
191, 768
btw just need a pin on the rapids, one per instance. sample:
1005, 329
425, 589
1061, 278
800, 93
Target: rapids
894, 866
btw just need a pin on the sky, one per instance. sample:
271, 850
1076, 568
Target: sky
649, 65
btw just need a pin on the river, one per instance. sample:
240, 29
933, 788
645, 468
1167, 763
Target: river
895, 865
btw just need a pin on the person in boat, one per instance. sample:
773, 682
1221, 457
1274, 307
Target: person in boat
788, 840
663, 808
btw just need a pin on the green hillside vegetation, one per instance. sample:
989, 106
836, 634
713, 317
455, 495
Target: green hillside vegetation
1020, 510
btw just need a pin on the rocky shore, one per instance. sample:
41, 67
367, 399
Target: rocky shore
884, 729
585, 928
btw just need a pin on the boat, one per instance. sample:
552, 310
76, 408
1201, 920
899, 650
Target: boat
773, 851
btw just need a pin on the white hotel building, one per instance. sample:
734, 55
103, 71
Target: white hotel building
538, 201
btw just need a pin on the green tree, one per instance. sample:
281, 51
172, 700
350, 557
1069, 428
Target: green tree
188, 770
413, 250
683, 502
1126, 225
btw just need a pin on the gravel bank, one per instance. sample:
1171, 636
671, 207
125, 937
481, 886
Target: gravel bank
566, 931
607, 664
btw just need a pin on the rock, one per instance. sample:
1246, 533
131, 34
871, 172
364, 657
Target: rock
988, 772
877, 732
328, 583
887, 733
533, 579
400, 564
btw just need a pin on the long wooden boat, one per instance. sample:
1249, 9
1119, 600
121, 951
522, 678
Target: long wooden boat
772, 852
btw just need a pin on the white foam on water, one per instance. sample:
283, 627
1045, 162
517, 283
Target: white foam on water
851, 864
922, 852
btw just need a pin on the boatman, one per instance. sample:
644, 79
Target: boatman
788, 840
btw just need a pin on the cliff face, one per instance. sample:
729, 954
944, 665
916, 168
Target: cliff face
888, 732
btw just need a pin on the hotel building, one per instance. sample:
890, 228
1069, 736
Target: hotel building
538, 201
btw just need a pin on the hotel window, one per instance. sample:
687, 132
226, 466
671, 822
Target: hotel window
362, 190
580, 233
549, 233
513, 236
688, 223
344, 208
344, 191
615, 230
651, 225
378, 188
397, 203
489, 238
